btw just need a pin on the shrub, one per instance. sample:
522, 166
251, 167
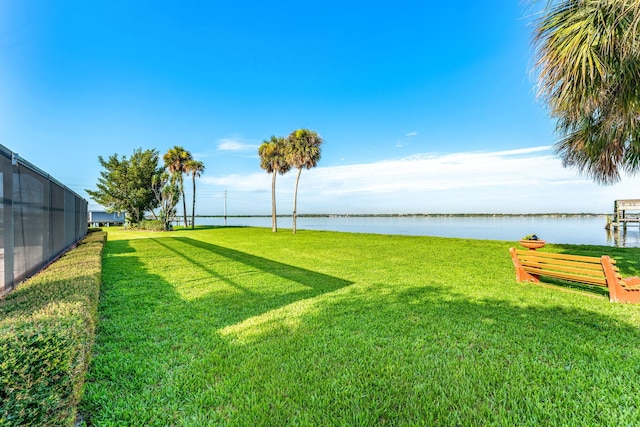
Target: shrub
150, 225
47, 329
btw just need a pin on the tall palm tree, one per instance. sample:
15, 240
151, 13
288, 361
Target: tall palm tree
194, 168
588, 59
303, 151
273, 160
175, 160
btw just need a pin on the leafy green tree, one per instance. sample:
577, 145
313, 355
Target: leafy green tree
167, 194
274, 161
194, 168
303, 151
175, 160
588, 58
126, 184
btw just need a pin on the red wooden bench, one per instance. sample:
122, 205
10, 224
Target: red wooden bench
530, 265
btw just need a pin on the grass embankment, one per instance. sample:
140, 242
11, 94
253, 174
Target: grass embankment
241, 326
47, 327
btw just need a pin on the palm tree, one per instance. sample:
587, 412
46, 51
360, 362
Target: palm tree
303, 151
273, 160
195, 168
588, 58
175, 160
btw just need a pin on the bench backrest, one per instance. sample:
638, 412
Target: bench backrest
575, 268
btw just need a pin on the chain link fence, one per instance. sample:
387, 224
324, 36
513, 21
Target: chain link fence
40, 219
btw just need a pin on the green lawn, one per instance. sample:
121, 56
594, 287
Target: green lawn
241, 326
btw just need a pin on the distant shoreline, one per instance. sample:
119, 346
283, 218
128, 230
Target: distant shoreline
436, 215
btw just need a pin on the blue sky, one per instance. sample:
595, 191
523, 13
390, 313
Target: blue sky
424, 107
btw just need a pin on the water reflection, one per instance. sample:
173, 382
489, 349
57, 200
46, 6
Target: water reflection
624, 237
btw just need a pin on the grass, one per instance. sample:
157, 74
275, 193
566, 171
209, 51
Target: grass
241, 326
47, 328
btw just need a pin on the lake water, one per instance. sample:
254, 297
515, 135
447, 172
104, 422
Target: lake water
567, 229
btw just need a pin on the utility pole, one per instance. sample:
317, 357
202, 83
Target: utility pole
225, 207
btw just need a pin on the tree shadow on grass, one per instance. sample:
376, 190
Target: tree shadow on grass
160, 314
449, 359
239, 284
317, 281
445, 356
258, 284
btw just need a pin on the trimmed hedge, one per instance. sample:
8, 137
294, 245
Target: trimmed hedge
47, 329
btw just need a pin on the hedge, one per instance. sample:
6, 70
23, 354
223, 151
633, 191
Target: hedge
47, 329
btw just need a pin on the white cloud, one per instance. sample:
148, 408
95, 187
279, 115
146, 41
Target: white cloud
235, 144
515, 181
405, 140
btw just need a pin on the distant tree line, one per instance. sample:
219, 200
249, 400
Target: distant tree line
278, 155
141, 184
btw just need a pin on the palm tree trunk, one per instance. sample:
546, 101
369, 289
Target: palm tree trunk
295, 201
184, 204
274, 221
193, 206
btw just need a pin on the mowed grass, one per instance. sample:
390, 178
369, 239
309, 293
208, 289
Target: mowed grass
241, 326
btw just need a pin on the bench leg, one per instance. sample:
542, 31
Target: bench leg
624, 295
630, 295
521, 274
617, 292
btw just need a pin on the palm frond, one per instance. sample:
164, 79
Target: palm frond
588, 59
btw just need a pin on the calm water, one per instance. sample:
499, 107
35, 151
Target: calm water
577, 230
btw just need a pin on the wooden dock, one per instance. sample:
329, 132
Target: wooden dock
625, 212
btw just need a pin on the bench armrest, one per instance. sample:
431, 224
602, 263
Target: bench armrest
631, 282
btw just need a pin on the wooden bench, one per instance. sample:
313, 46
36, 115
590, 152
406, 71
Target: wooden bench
530, 265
